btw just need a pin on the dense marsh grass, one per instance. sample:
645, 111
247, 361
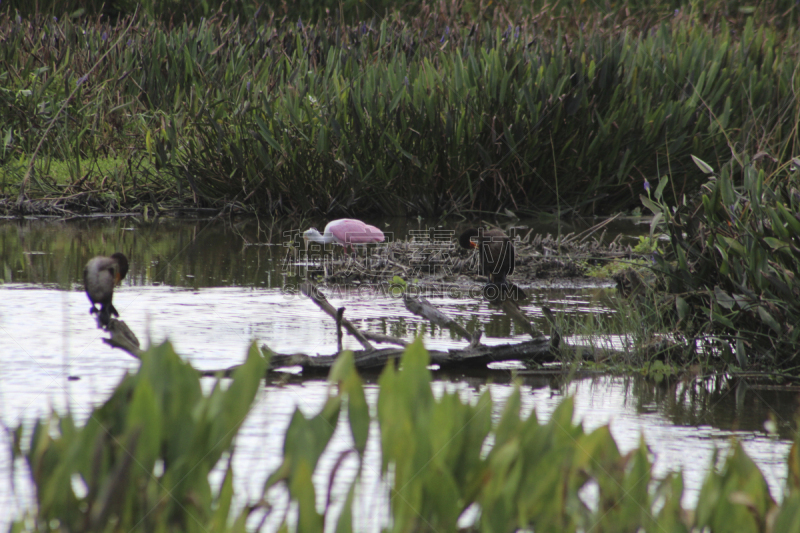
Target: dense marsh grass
176, 11
397, 115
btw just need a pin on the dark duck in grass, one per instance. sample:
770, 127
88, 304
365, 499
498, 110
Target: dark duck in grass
100, 275
497, 260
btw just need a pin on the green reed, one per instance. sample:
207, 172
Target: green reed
778, 12
394, 115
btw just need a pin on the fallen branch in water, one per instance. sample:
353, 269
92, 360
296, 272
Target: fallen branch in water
423, 308
534, 351
511, 308
310, 290
123, 338
541, 349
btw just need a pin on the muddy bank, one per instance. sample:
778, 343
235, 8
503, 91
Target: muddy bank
85, 205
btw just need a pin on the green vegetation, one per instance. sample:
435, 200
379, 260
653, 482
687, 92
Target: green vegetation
142, 461
778, 12
646, 245
726, 284
425, 110
143, 458
72, 171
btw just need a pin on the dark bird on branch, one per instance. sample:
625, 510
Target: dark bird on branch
100, 275
497, 260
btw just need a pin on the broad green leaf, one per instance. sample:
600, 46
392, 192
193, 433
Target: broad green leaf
778, 245
768, 319
649, 204
793, 478
789, 219
788, 518
725, 321
302, 490
223, 502
741, 353
682, 307
702, 165
145, 415
654, 223
344, 373
510, 418
735, 245
671, 516
723, 298
345, 522
660, 189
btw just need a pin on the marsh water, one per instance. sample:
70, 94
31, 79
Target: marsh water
213, 287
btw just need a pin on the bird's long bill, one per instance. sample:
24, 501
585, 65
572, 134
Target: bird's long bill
117, 277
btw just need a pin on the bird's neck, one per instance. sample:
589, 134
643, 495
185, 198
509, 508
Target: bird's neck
316, 236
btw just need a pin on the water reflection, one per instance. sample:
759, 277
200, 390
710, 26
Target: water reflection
178, 253
170, 252
727, 403
209, 254
212, 287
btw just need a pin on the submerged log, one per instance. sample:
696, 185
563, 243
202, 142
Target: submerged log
123, 338
534, 351
423, 308
541, 349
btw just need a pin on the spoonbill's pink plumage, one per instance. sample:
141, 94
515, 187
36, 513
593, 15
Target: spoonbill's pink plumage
345, 231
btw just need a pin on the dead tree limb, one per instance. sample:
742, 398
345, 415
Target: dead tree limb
555, 331
339, 316
311, 290
123, 338
387, 339
512, 309
541, 349
534, 351
423, 308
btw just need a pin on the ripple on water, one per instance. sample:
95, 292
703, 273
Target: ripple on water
212, 328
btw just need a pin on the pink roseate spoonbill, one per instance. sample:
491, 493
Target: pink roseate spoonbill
496, 252
344, 231
100, 275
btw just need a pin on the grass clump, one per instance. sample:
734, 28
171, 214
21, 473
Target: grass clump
646, 247
726, 286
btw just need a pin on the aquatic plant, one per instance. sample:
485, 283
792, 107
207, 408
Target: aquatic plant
302, 12
422, 114
143, 458
729, 271
398, 124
